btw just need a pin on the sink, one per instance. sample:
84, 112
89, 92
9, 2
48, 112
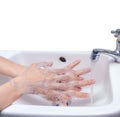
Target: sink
105, 94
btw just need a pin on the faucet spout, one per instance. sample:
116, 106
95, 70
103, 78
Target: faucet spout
97, 52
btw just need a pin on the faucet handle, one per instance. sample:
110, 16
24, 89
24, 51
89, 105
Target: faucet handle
116, 32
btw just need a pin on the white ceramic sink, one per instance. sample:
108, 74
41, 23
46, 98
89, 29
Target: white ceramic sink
105, 94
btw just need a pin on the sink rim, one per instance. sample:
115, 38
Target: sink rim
34, 110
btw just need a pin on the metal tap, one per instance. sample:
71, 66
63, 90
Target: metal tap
115, 53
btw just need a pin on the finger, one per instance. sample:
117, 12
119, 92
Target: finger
72, 65
44, 64
85, 82
81, 94
68, 68
58, 86
62, 78
83, 71
70, 85
78, 94
63, 87
73, 84
66, 78
60, 71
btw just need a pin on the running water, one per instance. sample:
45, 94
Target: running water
92, 75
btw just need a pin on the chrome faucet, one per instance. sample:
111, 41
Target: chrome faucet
115, 54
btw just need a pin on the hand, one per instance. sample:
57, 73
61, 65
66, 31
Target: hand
58, 85
68, 84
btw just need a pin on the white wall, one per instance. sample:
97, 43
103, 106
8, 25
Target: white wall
58, 24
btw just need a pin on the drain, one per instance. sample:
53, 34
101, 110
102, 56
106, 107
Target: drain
62, 59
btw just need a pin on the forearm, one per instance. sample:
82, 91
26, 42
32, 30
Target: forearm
8, 94
10, 68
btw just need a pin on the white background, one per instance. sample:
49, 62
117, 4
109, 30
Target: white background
58, 24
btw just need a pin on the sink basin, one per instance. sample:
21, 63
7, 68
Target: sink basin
105, 94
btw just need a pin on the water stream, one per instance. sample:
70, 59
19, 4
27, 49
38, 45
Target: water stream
92, 76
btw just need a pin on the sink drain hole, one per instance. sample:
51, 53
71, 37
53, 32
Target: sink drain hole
62, 59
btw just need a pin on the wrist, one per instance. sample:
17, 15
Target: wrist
20, 84
18, 70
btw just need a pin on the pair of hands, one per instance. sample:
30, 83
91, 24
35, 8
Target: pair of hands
57, 85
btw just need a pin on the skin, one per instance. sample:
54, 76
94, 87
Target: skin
9, 68
57, 85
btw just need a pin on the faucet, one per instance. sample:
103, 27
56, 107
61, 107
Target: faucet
115, 53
